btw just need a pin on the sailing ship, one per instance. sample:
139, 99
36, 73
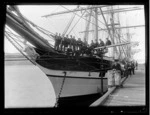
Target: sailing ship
76, 80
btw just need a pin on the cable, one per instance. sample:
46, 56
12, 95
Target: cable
17, 47
86, 35
13, 39
55, 9
67, 27
15, 35
75, 34
77, 22
83, 18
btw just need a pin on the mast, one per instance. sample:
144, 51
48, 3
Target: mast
96, 23
109, 31
86, 35
118, 37
115, 52
128, 47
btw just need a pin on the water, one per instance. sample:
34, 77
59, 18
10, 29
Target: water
27, 86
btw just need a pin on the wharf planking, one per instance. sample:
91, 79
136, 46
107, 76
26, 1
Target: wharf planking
132, 93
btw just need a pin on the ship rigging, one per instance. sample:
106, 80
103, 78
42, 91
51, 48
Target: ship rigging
76, 77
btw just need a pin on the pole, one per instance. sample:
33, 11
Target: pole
101, 75
96, 23
123, 27
87, 27
120, 10
111, 36
74, 10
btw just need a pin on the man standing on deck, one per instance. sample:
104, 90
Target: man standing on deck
129, 68
101, 50
132, 67
108, 42
79, 43
60, 42
92, 44
136, 64
73, 43
66, 43
56, 41
83, 48
101, 43
69, 48
126, 72
116, 65
96, 44
91, 47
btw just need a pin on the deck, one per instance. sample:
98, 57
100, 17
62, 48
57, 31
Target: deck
132, 93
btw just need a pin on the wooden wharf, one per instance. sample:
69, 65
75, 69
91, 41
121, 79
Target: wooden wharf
131, 94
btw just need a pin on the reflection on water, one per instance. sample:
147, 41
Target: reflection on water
27, 86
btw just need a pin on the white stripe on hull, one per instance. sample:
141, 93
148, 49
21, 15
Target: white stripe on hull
77, 83
77, 86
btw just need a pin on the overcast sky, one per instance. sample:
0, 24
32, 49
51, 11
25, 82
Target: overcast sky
58, 23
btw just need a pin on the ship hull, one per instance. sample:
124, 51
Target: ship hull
78, 101
74, 87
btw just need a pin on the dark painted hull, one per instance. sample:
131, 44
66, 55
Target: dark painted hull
84, 101
74, 64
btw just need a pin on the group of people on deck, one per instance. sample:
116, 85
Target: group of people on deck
125, 67
70, 46
77, 46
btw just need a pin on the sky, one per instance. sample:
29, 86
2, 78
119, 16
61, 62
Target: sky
58, 24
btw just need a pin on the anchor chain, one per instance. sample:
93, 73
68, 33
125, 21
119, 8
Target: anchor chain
56, 104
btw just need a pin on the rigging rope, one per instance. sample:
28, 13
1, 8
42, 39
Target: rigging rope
7, 36
70, 22
75, 34
98, 20
84, 19
13, 34
14, 40
41, 29
54, 9
87, 28
17, 36
76, 22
